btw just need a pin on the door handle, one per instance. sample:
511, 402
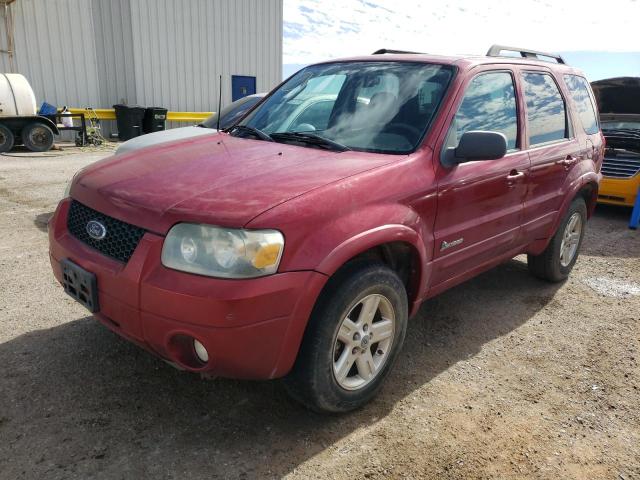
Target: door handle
567, 161
513, 177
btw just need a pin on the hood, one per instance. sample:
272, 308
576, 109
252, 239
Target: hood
216, 179
150, 139
618, 95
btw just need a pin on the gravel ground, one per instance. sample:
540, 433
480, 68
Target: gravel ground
502, 377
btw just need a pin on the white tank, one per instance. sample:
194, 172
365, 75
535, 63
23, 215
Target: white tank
16, 96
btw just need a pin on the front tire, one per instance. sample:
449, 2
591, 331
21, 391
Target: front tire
352, 341
558, 259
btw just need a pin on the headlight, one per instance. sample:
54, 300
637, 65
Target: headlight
222, 252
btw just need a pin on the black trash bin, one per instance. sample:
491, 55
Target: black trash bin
154, 119
130, 120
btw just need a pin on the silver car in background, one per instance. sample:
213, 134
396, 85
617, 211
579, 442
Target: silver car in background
229, 115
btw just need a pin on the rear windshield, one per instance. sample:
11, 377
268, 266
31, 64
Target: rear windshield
383, 107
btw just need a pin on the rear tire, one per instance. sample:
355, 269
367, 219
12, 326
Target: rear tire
37, 137
352, 340
6, 139
558, 259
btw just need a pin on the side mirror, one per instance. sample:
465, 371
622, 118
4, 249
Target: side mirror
476, 145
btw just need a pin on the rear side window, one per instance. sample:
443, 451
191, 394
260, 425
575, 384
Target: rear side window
546, 112
579, 89
489, 104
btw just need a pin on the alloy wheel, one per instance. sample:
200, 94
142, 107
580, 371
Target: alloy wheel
571, 239
363, 342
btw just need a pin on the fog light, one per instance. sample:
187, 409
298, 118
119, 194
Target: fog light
201, 352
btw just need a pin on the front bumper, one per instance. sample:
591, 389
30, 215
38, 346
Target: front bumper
251, 328
619, 191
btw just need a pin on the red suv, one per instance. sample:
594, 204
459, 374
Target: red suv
298, 242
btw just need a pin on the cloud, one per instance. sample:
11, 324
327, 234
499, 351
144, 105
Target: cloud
316, 30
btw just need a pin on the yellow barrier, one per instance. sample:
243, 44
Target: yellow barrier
110, 114
188, 116
101, 113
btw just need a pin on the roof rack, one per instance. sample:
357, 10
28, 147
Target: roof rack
382, 51
496, 50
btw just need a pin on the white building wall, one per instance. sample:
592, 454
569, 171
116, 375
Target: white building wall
165, 53
114, 51
54, 49
180, 49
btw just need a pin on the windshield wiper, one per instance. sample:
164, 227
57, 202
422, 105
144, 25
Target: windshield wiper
253, 131
311, 139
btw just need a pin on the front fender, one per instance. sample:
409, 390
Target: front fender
326, 246
368, 239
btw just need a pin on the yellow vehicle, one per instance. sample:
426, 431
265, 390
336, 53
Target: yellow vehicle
619, 104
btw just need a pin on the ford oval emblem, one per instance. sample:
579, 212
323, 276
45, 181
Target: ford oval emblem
96, 230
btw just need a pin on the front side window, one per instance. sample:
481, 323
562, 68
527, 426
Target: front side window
546, 112
489, 104
579, 89
381, 107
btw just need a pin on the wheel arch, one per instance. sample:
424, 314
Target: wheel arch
585, 187
589, 192
397, 246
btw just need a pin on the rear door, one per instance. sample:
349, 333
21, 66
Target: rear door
553, 148
480, 204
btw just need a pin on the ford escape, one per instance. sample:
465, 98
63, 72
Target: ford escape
297, 243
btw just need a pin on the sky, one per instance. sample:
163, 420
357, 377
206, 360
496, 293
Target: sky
600, 37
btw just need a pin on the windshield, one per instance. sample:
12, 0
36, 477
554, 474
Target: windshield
382, 107
231, 113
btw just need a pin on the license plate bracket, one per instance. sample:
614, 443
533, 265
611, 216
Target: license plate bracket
80, 285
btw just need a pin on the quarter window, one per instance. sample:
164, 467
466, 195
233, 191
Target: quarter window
489, 104
579, 89
546, 112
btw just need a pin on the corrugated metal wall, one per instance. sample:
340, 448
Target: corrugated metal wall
165, 53
181, 51
114, 51
55, 50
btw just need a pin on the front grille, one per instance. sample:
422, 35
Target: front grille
620, 163
121, 238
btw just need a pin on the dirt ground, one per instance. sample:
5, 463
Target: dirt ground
502, 377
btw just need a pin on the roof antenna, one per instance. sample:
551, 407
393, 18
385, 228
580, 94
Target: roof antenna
219, 102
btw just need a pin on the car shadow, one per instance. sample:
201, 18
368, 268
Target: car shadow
76, 400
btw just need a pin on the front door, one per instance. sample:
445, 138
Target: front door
480, 203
